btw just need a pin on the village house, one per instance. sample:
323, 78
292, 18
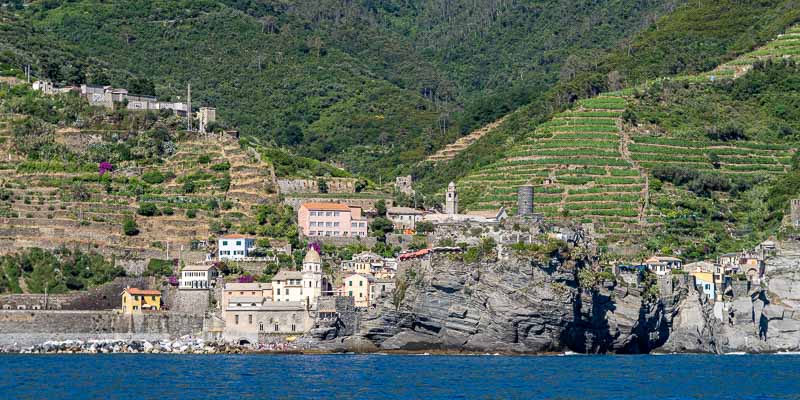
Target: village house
359, 287
136, 300
706, 282
663, 265
404, 218
287, 286
199, 276
253, 289
363, 263
235, 247
331, 219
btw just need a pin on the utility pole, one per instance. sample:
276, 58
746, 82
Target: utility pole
189, 106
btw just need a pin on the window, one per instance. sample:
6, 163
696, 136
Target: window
350, 293
360, 294
350, 283
261, 326
238, 242
292, 327
276, 327
236, 318
335, 224
329, 214
153, 298
250, 319
287, 291
279, 291
224, 242
360, 283
335, 213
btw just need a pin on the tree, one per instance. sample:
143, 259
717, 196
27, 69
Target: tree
380, 208
129, 226
424, 227
322, 185
380, 227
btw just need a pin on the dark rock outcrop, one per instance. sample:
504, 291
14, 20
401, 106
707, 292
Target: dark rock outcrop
513, 305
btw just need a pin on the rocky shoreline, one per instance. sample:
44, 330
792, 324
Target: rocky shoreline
183, 345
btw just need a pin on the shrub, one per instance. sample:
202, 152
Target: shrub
191, 213
167, 211
129, 226
153, 177
147, 209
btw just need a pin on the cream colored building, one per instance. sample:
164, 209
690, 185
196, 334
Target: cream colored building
287, 285
255, 289
359, 287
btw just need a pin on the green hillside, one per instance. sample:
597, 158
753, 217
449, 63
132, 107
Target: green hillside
693, 37
696, 160
375, 85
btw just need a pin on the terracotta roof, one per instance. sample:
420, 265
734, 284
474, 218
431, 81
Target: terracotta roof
235, 236
326, 206
143, 292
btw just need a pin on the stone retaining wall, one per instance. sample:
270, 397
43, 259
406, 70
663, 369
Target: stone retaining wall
26, 328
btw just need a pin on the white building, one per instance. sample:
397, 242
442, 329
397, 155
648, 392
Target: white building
663, 265
404, 217
199, 276
235, 247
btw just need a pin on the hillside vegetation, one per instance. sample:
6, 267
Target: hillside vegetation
375, 85
695, 160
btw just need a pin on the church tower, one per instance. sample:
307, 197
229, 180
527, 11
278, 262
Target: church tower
451, 200
312, 276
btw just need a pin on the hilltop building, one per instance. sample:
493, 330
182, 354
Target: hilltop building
331, 219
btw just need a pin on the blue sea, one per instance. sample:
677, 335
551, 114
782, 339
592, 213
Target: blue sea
140, 377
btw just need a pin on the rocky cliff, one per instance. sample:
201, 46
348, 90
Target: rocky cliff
759, 317
515, 304
520, 305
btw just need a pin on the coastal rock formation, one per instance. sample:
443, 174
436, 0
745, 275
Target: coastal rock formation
519, 305
514, 305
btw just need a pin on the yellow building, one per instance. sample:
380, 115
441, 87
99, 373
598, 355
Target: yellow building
359, 287
137, 300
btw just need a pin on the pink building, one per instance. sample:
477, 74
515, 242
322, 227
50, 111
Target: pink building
331, 219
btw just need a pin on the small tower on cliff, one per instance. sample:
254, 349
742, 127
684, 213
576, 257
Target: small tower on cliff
451, 200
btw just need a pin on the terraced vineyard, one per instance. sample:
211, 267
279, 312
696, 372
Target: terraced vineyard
206, 181
586, 166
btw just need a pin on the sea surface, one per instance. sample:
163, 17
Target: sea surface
129, 376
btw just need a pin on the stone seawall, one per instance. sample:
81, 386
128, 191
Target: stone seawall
27, 328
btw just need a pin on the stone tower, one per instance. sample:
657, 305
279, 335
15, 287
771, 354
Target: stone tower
795, 213
312, 276
451, 200
525, 201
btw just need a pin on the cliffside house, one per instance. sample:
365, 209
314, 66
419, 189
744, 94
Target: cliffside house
661, 265
706, 282
404, 217
136, 300
235, 247
359, 287
331, 219
363, 263
239, 290
198, 277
